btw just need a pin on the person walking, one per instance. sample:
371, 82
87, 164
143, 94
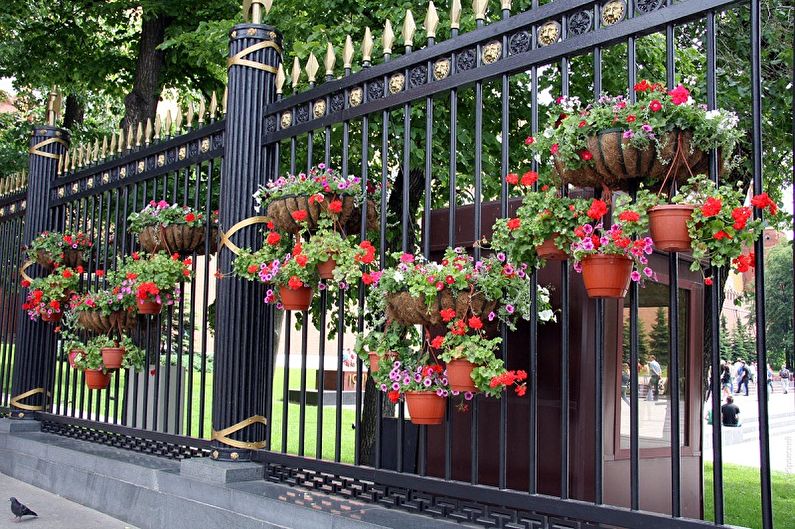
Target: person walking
769, 374
729, 413
742, 378
726, 379
785, 375
655, 372
625, 383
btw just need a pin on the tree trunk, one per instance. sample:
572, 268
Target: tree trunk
73, 111
141, 102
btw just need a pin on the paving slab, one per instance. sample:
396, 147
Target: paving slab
55, 512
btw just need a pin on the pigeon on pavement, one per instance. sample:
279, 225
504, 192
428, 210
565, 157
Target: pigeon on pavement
20, 510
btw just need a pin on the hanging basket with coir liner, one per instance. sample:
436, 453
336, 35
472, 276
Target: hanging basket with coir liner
177, 238
281, 210
412, 310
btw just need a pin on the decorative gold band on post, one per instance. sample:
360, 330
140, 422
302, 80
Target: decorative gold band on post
222, 435
235, 249
238, 58
27, 264
15, 401
35, 149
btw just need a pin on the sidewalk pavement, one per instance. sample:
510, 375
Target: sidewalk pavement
54, 511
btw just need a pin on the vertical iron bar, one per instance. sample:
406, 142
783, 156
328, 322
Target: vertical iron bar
532, 402
564, 327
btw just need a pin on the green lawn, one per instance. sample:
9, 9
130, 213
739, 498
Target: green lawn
742, 497
293, 421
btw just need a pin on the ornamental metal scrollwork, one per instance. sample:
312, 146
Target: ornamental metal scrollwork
396, 83
418, 75
613, 12
375, 90
465, 60
355, 97
491, 52
649, 6
580, 22
337, 102
218, 140
519, 43
270, 124
319, 108
549, 33
441, 69
287, 119
302, 114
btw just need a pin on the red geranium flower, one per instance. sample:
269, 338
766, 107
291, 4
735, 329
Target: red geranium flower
586, 155
763, 201
582, 123
741, 216
629, 216
25, 283
655, 106
437, 342
335, 206
679, 95
529, 140
100, 273
135, 256
252, 269
721, 235
514, 223
295, 283
631, 118
190, 217
597, 210
299, 215
711, 207
67, 273
273, 238
642, 86
475, 323
447, 314
529, 178
393, 396
301, 259
708, 281
554, 148
512, 178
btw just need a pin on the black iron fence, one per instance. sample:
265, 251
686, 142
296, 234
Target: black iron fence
437, 126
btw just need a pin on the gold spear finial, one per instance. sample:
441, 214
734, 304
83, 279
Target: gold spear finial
431, 21
169, 123
347, 53
480, 7
80, 155
104, 150
178, 122
280, 79
191, 112
202, 110
330, 60
506, 5
66, 161
112, 147
312, 67
95, 154
409, 28
158, 126
139, 134
455, 14
148, 131
295, 75
367, 45
73, 165
388, 38
268, 6
130, 137
120, 145
213, 105
52, 107
60, 165
225, 99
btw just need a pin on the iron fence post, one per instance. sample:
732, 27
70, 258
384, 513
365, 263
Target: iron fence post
34, 356
243, 344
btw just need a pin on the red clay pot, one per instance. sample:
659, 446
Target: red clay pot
668, 227
425, 407
55, 317
72, 355
112, 357
96, 379
375, 360
298, 299
459, 375
326, 269
606, 276
148, 307
548, 251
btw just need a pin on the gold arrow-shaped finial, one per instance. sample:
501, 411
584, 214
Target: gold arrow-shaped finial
330, 60
455, 14
409, 28
295, 75
388, 38
312, 66
347, 53
431, 21
280, 79
367, 45
480, 7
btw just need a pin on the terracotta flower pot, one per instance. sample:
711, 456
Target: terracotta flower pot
459, 375
112, 357
425, 407
96, 379
375, 360
549, 252
298, 299
72, 356
668, 227
326, 269
72, 258
54, 317
148, 307
606, 276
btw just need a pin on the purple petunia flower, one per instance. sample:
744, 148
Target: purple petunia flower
648, 271
635, 276
501, 257
492, 316
509, 308
628, 134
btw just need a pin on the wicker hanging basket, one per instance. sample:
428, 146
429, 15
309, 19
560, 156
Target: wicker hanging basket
177, 238
412, 310
354, 224
280, 211
95, 321
616, 164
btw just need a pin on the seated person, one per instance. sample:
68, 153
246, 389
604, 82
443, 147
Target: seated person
729, 413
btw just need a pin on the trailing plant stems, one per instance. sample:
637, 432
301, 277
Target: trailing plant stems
759, 270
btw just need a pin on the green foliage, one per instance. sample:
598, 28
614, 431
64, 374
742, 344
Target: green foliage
321, 184
164, 271
52, 244
659, 338
643, 343
778, 304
